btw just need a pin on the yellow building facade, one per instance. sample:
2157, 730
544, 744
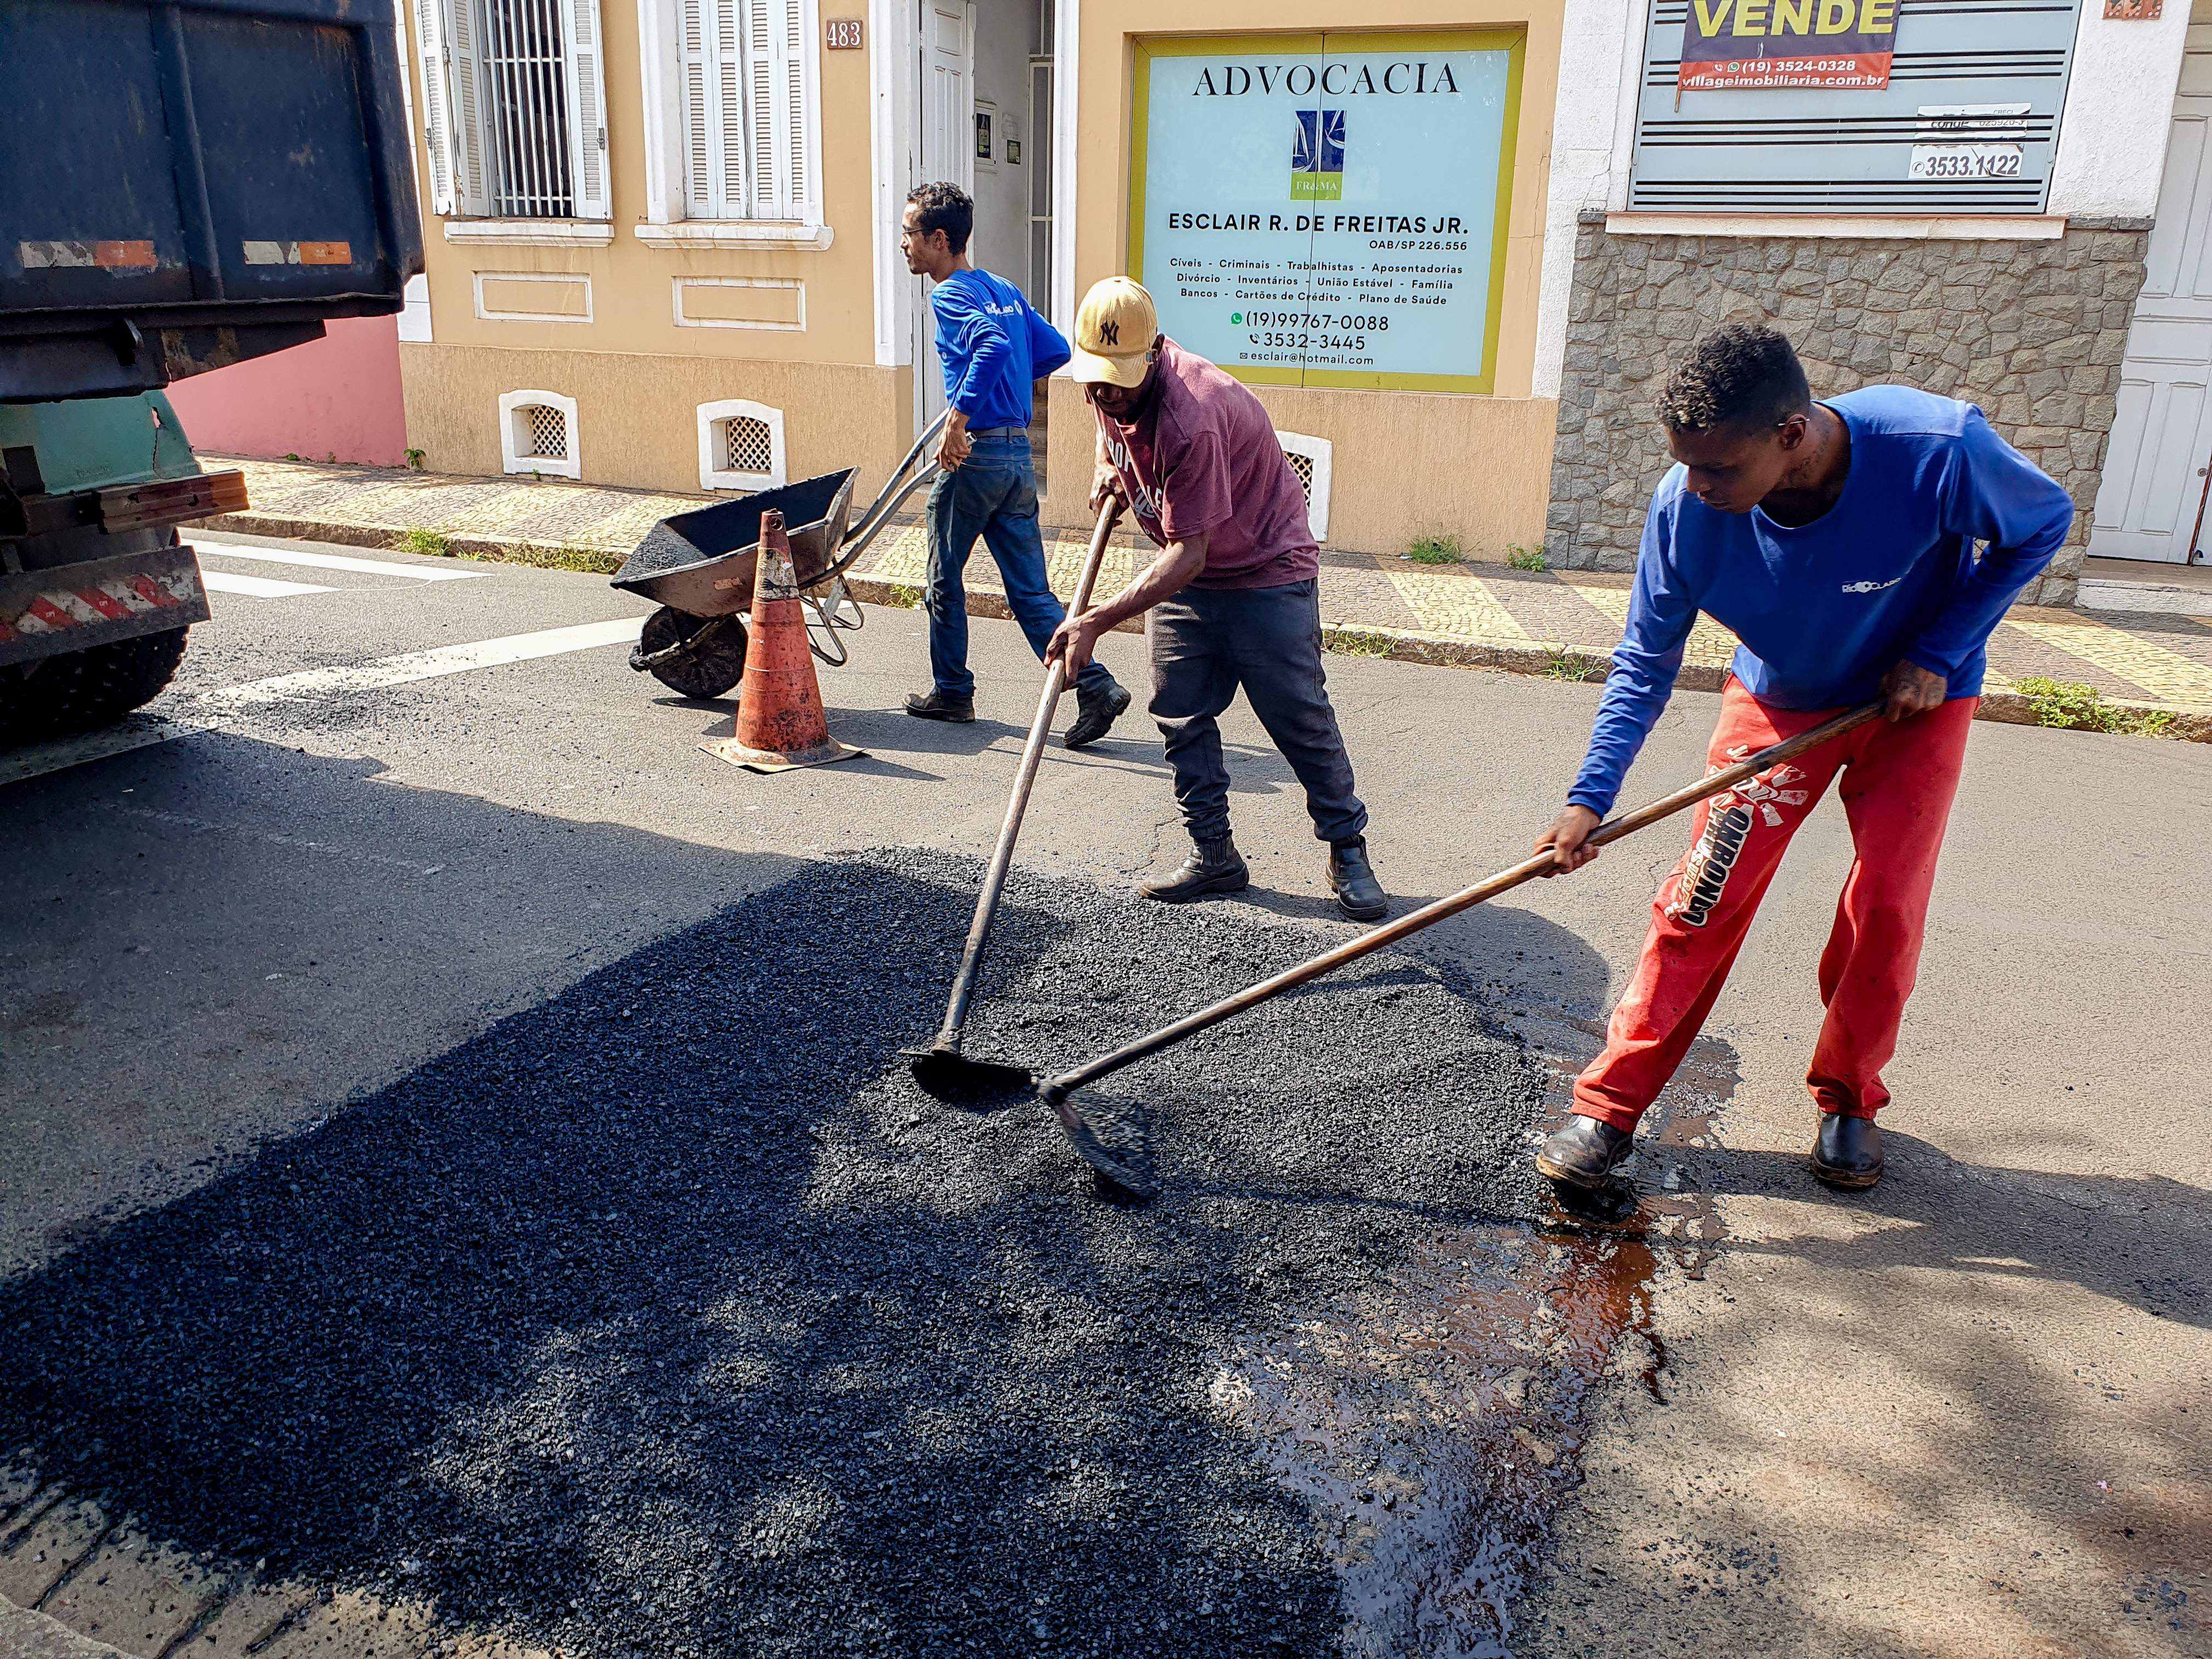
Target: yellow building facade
662, 234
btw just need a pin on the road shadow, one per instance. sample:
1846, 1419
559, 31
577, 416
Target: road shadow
2142, 1240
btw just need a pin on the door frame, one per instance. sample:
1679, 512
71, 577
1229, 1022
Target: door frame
896, 62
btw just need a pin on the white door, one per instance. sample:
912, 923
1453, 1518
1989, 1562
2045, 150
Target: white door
2156, 462
947, 151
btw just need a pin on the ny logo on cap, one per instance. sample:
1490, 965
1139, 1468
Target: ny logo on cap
1109, 333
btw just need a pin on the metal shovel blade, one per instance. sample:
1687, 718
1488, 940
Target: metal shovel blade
1125, 1167
944, 1071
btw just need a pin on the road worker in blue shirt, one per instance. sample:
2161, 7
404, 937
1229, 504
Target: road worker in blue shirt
994, 345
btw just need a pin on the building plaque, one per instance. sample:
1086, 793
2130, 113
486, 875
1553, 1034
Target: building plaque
1328, 210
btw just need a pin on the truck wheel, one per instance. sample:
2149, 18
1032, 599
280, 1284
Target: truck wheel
60, 695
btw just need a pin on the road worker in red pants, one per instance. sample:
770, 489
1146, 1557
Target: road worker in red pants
1837, 540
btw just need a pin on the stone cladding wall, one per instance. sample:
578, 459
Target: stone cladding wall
2032, 331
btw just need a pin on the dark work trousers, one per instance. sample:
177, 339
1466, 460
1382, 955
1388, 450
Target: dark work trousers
1206, 643
992, 494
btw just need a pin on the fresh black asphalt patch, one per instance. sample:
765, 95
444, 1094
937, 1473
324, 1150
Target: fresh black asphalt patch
670, 1317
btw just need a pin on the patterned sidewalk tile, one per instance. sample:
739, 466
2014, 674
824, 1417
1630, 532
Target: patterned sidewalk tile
1479, 614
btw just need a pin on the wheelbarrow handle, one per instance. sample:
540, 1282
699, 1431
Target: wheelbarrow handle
894, 496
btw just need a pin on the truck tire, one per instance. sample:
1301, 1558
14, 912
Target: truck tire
59, 696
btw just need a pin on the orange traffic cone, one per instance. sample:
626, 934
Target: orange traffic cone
779, 724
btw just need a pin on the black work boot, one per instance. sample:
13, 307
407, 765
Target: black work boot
941, 706
1213, 866
1583, 1151
1352, 878
1095, 712
1847, 1153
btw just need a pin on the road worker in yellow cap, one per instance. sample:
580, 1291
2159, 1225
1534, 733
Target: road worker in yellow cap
1233, 595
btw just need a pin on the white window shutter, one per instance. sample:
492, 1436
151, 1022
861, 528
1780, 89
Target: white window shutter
776, 107
695, 58
465, 105
437, 124
587, 109
793, 159
728, 115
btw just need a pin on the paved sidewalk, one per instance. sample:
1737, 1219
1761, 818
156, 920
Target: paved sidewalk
1560, 623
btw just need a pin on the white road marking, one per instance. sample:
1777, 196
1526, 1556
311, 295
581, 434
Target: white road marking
427, 665
139, 730
144, 731
226, 550
254, 587
244, 832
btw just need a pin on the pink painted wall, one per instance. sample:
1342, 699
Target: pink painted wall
336, 396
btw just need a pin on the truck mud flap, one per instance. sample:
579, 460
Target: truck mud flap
44, 613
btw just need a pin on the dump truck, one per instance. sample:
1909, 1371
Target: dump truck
189, 183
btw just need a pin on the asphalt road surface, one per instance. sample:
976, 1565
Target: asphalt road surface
391, 802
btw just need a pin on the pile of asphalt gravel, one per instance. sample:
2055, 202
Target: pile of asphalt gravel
670, 1318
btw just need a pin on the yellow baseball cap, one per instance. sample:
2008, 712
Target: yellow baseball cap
1114, 333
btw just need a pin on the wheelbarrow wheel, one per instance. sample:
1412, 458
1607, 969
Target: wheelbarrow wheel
696, 656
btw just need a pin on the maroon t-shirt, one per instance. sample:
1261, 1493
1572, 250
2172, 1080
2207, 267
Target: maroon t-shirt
1203, 459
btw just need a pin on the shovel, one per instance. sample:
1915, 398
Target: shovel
1127, 1172
941, 1068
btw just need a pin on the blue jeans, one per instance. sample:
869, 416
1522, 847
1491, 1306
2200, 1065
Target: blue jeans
992, 494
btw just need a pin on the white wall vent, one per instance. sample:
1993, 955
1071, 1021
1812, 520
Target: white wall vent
1310, 458
741, 446
538, 434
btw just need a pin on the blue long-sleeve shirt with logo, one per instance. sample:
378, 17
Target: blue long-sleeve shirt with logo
1823, 611
992, 345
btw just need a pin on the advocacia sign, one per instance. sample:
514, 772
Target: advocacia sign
1787, 43
1328, 210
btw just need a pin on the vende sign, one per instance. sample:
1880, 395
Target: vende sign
1787, 43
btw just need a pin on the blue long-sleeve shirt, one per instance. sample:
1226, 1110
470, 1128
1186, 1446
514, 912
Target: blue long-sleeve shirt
992, 345
1823, 611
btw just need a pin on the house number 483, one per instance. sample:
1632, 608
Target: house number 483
843, 33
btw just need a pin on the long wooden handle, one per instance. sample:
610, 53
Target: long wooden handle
1058, 1089
994, 879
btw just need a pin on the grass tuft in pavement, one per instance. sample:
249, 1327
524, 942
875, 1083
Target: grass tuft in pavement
1435, 550
1574, 666
1355, 642
2072, 706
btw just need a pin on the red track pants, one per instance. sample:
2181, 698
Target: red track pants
1898, 782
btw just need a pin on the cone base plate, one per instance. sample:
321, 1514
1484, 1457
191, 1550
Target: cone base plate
769, 760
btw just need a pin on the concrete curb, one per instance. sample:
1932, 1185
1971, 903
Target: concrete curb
25, 1634
1351, 639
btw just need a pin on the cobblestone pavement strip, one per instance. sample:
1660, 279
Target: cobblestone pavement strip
1529, 622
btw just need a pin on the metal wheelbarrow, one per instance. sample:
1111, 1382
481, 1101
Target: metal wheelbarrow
699, 567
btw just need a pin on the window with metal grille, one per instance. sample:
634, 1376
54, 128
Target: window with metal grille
746, 96
741, 446
748, 446
513, 107
1303, 466
526, 109
549, 432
